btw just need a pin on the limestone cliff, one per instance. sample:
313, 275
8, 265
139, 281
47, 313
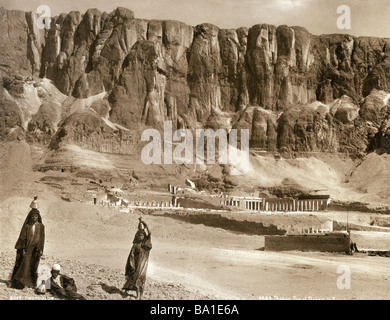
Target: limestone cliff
295, 91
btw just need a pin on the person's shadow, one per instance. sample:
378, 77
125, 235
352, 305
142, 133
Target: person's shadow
113, 290
6, 282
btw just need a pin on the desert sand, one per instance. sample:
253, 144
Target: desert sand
188, 261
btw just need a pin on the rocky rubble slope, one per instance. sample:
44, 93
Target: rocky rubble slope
94, 81
295, 91
94, 282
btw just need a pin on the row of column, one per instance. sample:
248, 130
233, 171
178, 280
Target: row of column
158, 204
253, 205
230, 202
172, 189
280, 205
296, 205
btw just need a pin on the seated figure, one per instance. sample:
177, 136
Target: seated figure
63, 286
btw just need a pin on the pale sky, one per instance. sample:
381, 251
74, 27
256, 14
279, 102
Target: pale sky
369, 17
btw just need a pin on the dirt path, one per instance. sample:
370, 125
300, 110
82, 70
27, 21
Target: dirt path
210, 261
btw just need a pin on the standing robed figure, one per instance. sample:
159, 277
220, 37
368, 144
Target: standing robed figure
137, 261
29, 249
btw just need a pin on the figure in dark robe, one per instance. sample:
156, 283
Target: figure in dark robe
63, 286
137, 262
29, 249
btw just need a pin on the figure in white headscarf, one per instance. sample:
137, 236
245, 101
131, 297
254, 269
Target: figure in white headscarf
63, 286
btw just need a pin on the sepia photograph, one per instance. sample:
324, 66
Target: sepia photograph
212, 151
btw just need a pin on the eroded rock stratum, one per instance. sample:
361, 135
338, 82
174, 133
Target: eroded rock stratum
295, 91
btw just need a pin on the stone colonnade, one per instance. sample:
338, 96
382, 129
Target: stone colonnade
273, 205
156, 204
172, 189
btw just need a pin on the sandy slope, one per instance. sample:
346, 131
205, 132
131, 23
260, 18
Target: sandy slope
197, 261
345, 180
187, 261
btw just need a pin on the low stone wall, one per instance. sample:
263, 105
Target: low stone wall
329, 242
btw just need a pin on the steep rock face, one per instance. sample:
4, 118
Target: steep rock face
375, 111
9, 119
13, 40
371, 62
294, 73
89, 131
261, 57
344, 109
341, 126
279, 61
293, 90
177, 38
262, 125
232, 78
383, 137
153, 81
272, 67
307, 130
64, 69
204, 67
334, 68
141, 88
374, 107
35, 42
43, 125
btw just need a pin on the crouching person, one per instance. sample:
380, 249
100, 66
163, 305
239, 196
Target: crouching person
63, 286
